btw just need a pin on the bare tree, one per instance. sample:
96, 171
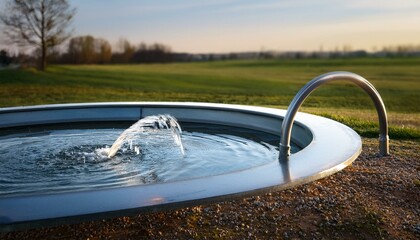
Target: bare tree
125, 51
89, 50
39, 23
105, 51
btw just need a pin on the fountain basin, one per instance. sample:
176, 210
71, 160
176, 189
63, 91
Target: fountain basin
326, 147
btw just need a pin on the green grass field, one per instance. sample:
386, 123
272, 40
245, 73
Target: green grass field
270, 83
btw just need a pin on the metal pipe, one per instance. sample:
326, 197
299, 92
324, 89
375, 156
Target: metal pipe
286, 128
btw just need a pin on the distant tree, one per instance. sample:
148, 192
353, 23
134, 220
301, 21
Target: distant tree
105, 51
81, 50
154, 53
5, 59
142, 47
39, 23
124, 52
233, 56
88, 50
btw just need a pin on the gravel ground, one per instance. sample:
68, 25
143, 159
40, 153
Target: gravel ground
374, 198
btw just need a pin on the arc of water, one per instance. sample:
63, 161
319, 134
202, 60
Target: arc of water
300, 97
150, 122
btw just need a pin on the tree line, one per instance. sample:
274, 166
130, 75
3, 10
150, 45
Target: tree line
91, 50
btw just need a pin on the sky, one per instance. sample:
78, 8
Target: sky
203, 26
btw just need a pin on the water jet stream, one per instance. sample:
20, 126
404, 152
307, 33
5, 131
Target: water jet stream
148, 123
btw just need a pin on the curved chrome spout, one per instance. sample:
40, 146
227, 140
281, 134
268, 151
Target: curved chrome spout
297, 101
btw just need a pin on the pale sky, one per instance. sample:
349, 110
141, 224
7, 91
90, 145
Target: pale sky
199, 26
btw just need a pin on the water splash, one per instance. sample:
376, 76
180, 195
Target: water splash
150, 123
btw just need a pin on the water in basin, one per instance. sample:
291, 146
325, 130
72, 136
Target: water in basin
74, 157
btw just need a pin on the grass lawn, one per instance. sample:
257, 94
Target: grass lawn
373, 198
270, 83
